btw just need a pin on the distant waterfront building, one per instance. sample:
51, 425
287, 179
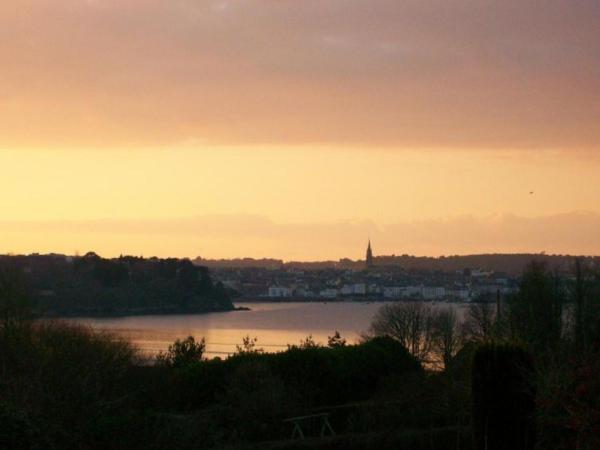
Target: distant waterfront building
461, 294
393, 292
279, 292
346, 290
328, 293
374, 289
412, 292
360, 289
369, 259
433, 292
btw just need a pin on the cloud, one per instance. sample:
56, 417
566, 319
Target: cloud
240, 235
415, 73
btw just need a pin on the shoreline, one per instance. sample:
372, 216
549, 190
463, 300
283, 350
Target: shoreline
117, 315
348, 300
240, 307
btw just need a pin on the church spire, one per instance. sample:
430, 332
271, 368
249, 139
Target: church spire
369, 259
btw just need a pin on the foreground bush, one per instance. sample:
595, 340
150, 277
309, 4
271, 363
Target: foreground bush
61, 386
569, 403
438, 438
322, 376
503, 398
314, 376
182, 352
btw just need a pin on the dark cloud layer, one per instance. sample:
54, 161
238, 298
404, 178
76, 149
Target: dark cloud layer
441, 73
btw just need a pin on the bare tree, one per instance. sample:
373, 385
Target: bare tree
409, 323
480, 321
447, 334
248, 346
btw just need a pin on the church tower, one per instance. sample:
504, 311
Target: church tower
369, 259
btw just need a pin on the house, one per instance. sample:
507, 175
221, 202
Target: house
279, 292
328, 293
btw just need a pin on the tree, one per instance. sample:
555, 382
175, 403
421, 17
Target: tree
584, 293
409, 323
480, 320
308, 342
336, 340
503, 398
182, 352
447, 334
536, 311
64, 386
248, 346
256, 399
14, 301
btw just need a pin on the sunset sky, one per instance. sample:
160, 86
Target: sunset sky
298, 129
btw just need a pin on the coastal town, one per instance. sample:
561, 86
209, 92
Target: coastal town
371, 282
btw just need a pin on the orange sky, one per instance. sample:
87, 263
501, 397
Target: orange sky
297, 203
297, 130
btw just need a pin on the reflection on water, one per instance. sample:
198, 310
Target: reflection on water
274, 324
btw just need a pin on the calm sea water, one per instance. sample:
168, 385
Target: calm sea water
274, 324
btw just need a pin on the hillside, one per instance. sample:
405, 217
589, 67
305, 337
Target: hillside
59, 285
512, 264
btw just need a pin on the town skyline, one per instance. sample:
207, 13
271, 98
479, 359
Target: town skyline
367, 262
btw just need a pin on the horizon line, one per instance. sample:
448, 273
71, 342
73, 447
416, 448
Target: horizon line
311, 261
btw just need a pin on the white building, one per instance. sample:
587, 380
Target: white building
460, 294
393, 292
360, 289
231, 284
478, 273
374, 289
412, 291
346, 290
329, 293
279, 292
433, 292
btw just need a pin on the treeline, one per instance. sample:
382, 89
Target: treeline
513, 264
520, 373
67, 387
90, 285
537, 354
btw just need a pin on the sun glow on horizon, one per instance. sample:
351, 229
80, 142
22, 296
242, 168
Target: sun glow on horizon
291, 203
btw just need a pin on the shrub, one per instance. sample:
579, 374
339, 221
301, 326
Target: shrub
336, 340
182, 352
256, 399
61, 385
503, 398
312, 376
322, 375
